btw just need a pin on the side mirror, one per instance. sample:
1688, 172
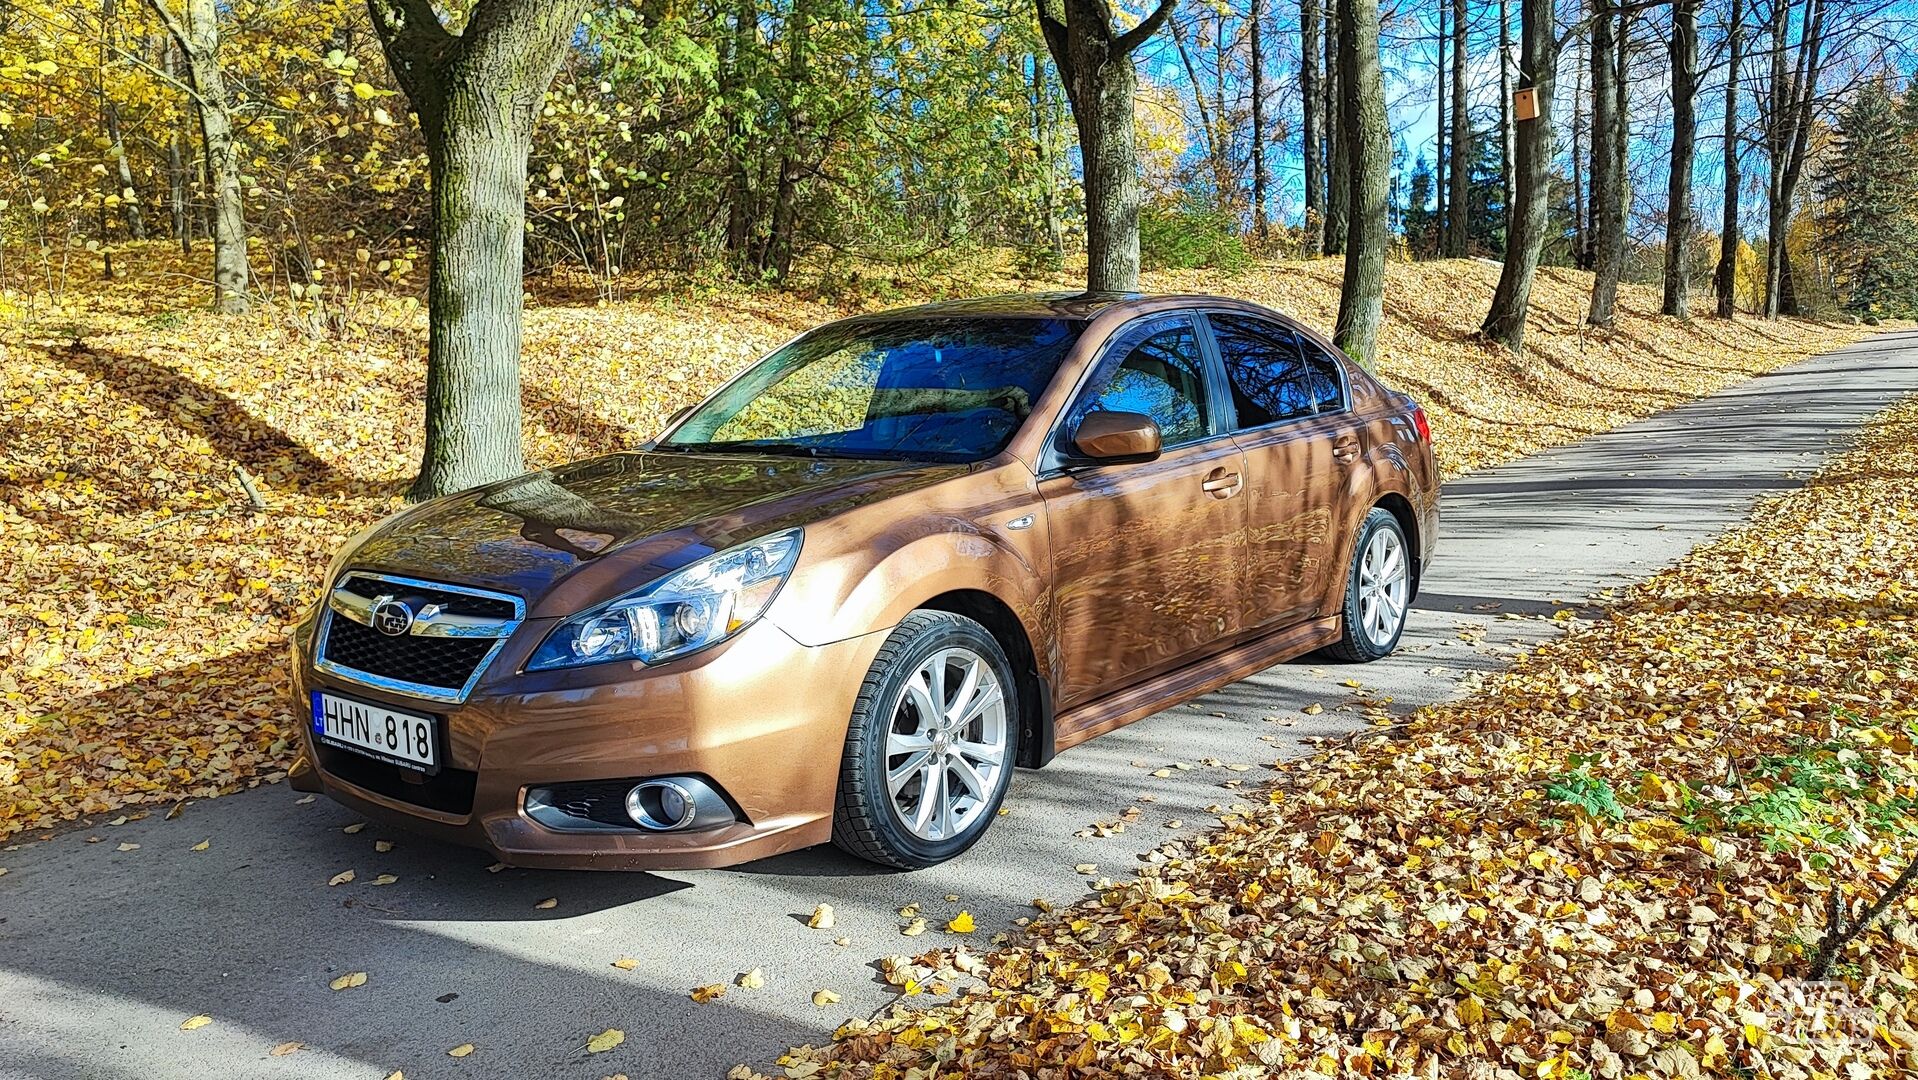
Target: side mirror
1114, 437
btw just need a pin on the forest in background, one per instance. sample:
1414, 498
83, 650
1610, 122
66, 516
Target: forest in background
831, 144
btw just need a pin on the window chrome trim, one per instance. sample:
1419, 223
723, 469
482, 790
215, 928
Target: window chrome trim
425, 624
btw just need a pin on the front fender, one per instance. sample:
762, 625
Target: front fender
869, 570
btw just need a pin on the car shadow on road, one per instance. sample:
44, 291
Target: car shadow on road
250, 933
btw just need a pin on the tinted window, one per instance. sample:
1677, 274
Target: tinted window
942, 389
1326, 376
1155, 369
1269, 377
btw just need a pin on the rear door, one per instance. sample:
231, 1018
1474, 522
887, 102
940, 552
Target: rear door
1293, 422
1145, 556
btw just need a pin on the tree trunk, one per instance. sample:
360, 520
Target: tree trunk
1726, 277
777, 258
176, 169
1338, 171
1581, 224
223, 163
1314, 149
123, 173
1457, 226
1608, 183
1788, 133
477, 95
1678, 191
477, 156
740, 204
1095, 64
1047, 136
199, 41
1505, 109
1369, 139
1441, 134
120, 184
1260, 226
1538, 61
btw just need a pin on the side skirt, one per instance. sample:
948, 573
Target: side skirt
1183, 684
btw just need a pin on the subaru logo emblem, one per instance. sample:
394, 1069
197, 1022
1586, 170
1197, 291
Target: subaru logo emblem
392, 617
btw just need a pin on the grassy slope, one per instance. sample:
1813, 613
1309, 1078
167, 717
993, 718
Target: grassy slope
143, 605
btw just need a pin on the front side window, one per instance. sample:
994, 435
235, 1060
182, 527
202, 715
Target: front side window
1266, 363
934, 389
1154, 369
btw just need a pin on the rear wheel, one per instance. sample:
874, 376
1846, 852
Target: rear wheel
1378, 591
931, 746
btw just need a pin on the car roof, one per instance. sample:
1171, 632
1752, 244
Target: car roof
1075, 306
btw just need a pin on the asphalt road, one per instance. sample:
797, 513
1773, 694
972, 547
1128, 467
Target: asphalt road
104, 952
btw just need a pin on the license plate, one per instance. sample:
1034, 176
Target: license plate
402, 738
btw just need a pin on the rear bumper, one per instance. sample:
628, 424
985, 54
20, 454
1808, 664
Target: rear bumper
762, 718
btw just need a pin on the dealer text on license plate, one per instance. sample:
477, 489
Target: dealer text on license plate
374, 730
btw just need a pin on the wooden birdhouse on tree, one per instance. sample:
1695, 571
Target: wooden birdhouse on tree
1525, 104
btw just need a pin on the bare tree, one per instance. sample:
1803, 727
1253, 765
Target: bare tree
1609, 132
1457, 223
1095, 64
1788, 122
1311, 96
1678, 189
1537, 66
1338, 182
119, 182
1212, 125
477, 94
1368, 145
1441, 134
1505, 106
1725, 278
1259, 225
197, 34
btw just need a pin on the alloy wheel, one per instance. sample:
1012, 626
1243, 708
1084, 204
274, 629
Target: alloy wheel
1384, 581
946, 745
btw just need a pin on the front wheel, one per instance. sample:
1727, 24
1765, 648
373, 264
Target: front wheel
930, 749
1378, 591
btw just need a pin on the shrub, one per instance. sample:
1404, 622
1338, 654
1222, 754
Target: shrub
1191, 237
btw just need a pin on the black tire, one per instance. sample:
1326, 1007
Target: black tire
1355, 644
866, 822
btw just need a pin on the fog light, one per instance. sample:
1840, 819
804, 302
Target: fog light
680, 802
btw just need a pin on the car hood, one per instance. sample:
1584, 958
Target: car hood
568, 538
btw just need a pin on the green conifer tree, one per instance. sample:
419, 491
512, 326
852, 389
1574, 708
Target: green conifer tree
1871, 217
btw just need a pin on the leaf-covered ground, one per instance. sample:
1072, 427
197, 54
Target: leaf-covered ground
144, 601
1614, 861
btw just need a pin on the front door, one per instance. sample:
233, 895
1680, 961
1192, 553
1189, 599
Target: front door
1289, 404
1145, 556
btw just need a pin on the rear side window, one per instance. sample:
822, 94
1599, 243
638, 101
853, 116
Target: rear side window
1156, 369
1275, 374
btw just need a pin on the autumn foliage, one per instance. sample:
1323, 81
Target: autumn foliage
145, 599
1616, 861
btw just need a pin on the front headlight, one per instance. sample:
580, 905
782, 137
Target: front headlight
692, 607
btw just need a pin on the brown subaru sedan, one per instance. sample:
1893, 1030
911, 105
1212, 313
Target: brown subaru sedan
845, 596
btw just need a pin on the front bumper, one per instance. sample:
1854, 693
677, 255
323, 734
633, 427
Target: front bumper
762, 717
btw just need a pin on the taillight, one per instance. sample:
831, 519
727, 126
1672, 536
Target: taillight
1421, 424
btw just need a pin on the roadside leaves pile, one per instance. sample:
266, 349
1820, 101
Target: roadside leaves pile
172, 483
1616, 861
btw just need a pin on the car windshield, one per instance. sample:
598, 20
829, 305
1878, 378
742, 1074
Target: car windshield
934, 389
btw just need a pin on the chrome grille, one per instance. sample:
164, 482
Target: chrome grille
449, 634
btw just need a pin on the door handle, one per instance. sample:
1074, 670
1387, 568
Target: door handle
1221, 483
1346, 450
